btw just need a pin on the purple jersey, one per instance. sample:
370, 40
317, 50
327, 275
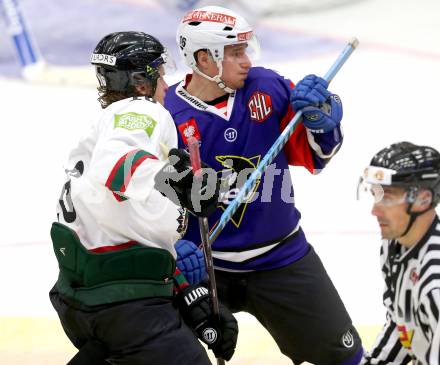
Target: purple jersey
264, 233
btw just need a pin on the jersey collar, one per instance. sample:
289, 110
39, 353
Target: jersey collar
408, 253
200, 104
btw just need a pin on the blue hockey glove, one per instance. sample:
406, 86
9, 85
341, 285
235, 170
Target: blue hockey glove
322, 110
310, 91
190, 261
324, 118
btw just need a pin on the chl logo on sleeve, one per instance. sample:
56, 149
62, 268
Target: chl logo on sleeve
260, 106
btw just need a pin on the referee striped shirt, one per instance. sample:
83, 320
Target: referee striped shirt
412, 299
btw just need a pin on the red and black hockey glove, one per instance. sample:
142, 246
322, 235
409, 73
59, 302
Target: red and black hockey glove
220, 334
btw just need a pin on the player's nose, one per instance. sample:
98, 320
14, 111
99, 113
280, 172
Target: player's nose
246, 62
376, 211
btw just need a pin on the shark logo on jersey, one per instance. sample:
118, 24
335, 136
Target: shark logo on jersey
237, 170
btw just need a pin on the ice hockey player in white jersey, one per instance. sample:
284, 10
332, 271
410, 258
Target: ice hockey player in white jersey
118, 287
404, 180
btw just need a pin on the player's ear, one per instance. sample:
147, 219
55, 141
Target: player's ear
202, 57
143, 89
423, 200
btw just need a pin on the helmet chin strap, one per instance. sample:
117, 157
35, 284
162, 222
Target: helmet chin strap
217, 78
412, 217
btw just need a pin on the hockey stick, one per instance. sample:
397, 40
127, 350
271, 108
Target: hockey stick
194, 153
27, 51
33, 66
276, 147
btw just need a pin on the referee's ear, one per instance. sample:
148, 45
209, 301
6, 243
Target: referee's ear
423, 201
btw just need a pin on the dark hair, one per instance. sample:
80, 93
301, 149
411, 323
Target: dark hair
107, 97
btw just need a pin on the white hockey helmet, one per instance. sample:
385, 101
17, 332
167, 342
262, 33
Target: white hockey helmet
213, 28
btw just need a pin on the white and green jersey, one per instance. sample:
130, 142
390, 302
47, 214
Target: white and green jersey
412, 299
109, 198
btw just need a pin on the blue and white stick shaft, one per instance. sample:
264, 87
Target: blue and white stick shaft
276, 147
25, 47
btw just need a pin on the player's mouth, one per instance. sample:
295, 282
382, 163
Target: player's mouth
382, 224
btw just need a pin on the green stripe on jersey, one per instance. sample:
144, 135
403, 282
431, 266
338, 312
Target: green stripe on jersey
125, 169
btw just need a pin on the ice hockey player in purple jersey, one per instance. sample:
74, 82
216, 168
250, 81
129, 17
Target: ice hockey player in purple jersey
118, 295
264, 263
404, 180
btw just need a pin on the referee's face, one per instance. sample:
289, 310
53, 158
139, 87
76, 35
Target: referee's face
391, 213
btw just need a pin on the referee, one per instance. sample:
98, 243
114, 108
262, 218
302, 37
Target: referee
404, 181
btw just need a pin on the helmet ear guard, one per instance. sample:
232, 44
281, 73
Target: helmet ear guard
113, 80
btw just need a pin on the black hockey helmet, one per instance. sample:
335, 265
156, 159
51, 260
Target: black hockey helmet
412, 167
406, 165
123, 59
